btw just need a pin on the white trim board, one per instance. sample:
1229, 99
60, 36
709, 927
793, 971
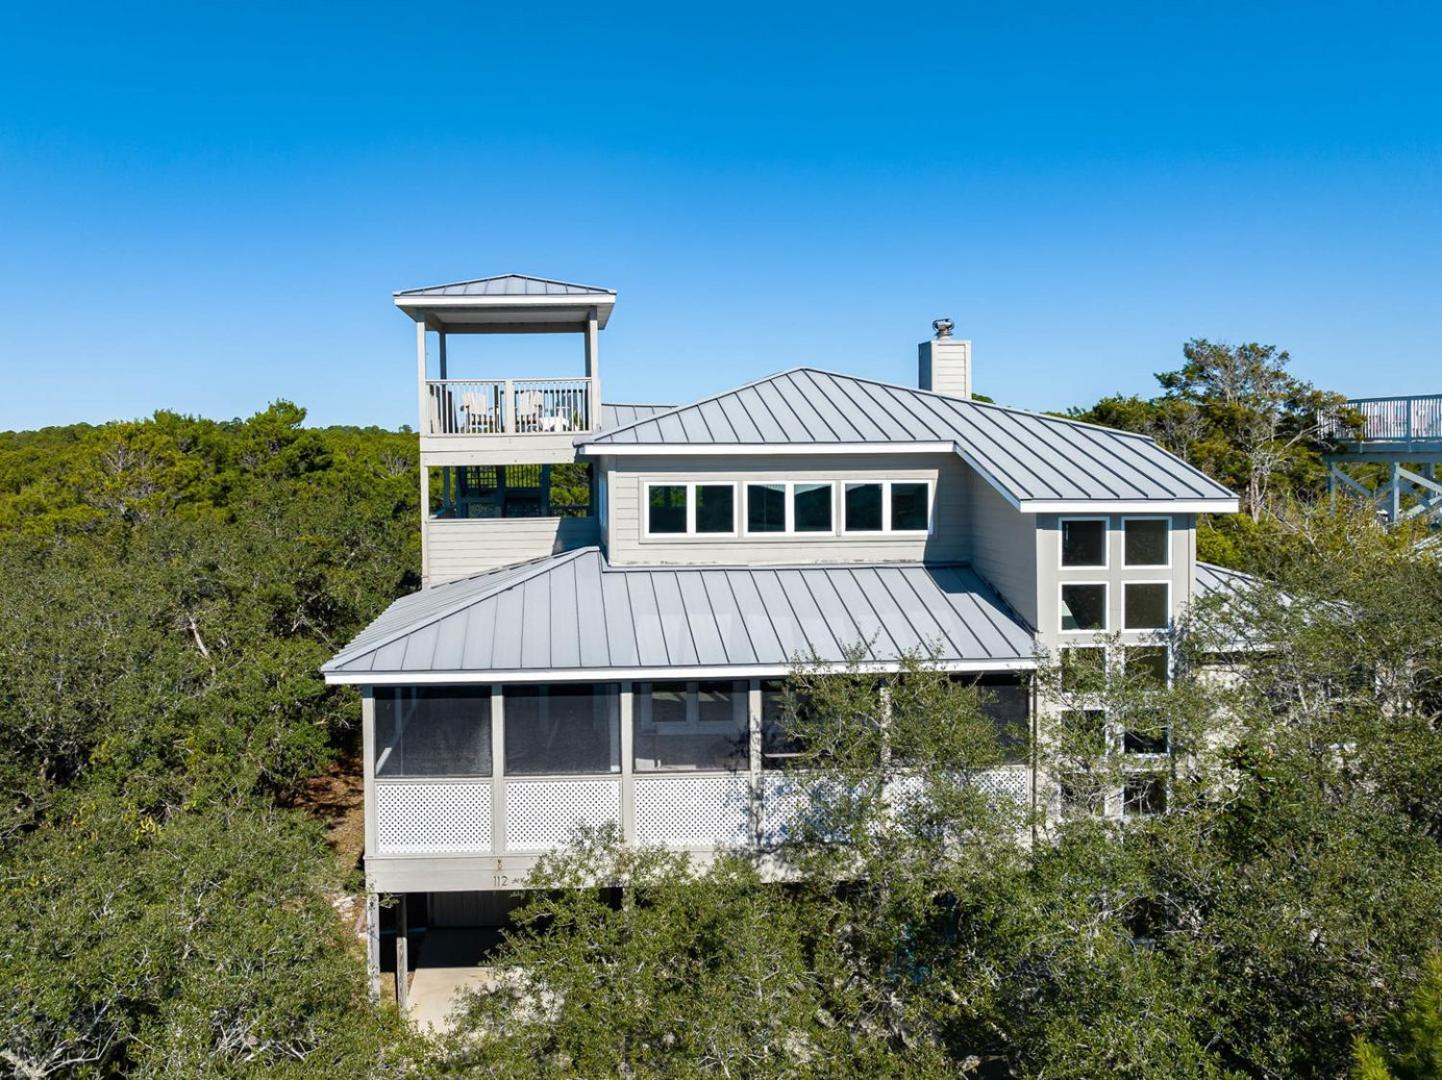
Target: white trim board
666, 674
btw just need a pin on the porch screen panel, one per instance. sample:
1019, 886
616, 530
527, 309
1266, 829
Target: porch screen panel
1006, 699
694, 727
433, 731
562, 730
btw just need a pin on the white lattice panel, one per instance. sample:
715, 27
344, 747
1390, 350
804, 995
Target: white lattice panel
693, 811
544, 814
1010, 781
419, 819
783, 798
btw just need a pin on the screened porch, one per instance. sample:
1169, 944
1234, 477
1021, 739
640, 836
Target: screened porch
516, 770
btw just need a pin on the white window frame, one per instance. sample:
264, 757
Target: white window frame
1125, 585
930, 506
1121, 731
1075, 696
788, 528
1105, 627
836, 509
690, 533
886, 529
1146, 566
1106, 541
745, 522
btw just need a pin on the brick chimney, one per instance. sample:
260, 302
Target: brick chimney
944, 363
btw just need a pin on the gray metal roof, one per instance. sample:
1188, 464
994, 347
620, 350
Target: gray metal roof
574, 615
1212, 580
618, 415
509, 285
1038, 462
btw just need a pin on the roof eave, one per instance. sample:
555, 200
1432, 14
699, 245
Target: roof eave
1128, 506
718, 671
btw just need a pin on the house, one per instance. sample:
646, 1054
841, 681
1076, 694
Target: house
612, 592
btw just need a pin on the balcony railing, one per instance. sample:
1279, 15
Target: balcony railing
1416, 419
508, 406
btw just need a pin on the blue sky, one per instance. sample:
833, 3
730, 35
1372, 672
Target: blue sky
206, 207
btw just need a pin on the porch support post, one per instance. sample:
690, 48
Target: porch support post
753, 730
1394, 494
423, 422
373, 944
403, 990
425, 526
1332, 486
628, 761
498, 770
441, 353
593, 372
368, 765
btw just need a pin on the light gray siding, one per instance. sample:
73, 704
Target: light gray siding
1003, 544
949, 540
459, 547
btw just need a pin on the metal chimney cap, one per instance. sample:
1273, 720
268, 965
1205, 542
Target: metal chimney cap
943, 327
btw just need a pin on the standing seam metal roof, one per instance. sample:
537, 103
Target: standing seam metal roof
1029, 456
620, 414
574, 612
509, 285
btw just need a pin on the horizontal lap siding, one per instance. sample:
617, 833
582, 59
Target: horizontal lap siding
458, 548
950, 541
1004, 548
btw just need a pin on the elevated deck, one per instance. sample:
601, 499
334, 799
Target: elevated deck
1386, 428
1395, 432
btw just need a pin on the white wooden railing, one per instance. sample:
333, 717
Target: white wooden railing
507, 406
1394, 419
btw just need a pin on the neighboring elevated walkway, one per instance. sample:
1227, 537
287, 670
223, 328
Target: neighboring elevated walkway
1385, 453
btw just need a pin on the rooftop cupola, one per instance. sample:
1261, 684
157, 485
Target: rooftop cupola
495, 405
944, 362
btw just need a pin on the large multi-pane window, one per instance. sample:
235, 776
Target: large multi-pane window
897, 506
1146, 542
811, 508
910, 506
1083, 606
1084, 542
561, 729
1146, 605
715, 508
432, 731
1149, 664
666, 508
765, 508
690, 509
789, 507
691, 726
863, 508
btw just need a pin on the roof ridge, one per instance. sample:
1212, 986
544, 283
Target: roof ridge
980, 404
673, 409
544, 564
890, 386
